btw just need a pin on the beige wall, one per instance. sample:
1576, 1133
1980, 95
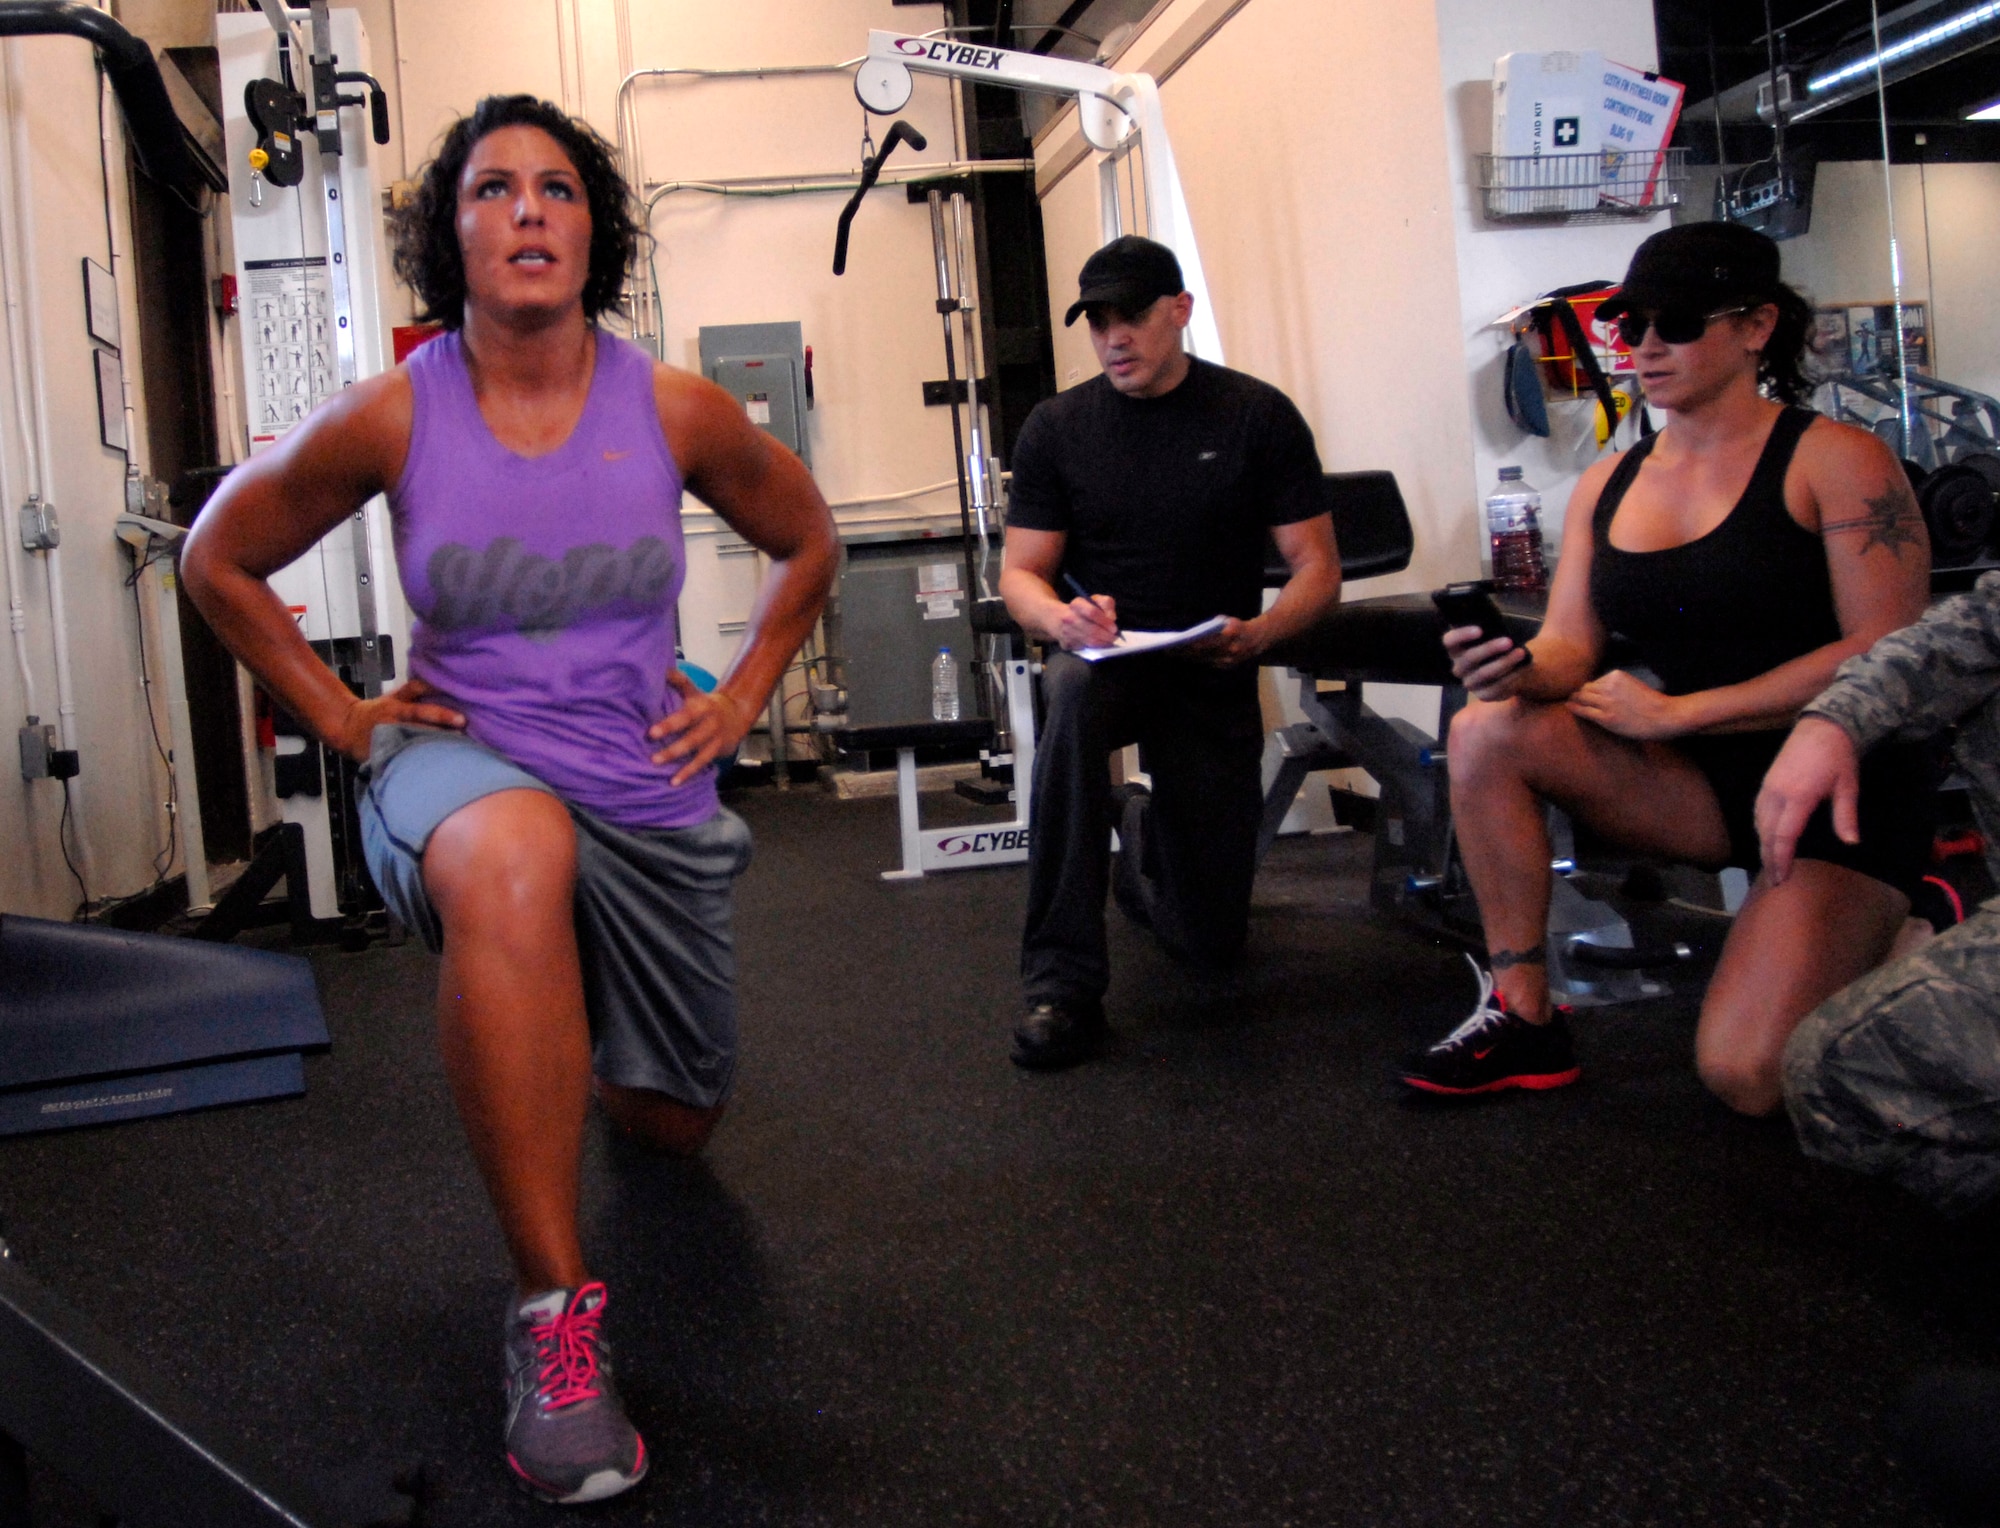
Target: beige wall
1961, 211
874, 332
1501, 265
1313, 152
122, 786
1327, 152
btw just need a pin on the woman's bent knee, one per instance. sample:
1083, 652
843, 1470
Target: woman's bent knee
1494, 732
1751, 1085
513, 849
656, 1121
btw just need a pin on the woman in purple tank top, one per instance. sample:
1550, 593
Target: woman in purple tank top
540, 800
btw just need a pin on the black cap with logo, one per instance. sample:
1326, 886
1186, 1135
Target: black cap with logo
1698, 267
1129, 274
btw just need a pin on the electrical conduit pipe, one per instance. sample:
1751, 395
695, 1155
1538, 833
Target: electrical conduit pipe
24, 224
17, 618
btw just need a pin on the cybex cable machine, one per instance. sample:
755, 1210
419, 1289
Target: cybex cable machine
305, 219
1139, 191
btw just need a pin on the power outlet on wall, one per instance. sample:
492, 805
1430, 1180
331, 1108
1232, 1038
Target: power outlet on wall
40, 531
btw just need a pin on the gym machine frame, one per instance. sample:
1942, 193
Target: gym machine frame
339, 582
1120, 114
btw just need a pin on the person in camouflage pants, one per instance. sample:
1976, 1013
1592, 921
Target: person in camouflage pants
1898, 1075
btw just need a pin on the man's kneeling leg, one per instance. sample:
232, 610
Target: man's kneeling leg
1196, 839
1898, 1075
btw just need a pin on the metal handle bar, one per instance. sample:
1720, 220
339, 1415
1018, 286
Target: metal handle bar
899, 132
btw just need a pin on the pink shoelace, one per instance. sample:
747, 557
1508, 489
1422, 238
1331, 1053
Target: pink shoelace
567, 1344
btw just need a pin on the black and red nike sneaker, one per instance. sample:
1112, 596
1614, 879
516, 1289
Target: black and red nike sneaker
1493, 1050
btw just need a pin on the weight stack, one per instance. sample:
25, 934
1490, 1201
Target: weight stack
99, 1025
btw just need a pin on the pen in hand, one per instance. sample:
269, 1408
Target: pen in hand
1084, 594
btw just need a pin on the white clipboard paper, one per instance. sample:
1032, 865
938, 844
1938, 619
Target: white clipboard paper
1131, 644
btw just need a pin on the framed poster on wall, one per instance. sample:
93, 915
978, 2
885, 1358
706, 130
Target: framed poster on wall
1859, 339
110, 399
100, 303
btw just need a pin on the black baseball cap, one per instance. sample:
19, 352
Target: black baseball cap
1700, 267
1129, 274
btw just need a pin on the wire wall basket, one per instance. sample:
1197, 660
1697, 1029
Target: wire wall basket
1581, 188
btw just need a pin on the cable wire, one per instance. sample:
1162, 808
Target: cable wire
164, 860
62, 842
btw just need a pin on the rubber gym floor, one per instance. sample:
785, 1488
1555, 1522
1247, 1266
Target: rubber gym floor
1223, 1276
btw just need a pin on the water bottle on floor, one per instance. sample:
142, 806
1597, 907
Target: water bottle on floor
1514, 524
944, 687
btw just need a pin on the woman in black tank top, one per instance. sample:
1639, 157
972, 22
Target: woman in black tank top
1745, 551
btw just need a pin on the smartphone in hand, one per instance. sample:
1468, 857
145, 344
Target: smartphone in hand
1472, 604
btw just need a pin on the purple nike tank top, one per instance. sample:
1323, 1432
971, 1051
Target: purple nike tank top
544, 588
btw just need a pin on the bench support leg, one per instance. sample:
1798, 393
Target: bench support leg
906, 818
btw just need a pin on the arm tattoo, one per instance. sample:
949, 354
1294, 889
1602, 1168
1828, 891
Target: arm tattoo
1501, 960
1893, 520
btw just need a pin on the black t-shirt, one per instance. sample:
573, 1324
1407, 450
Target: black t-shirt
1165, 501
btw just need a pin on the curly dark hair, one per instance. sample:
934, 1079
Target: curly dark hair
425, 231
1781, 366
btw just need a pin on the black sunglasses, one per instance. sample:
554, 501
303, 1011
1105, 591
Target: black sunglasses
1675, 326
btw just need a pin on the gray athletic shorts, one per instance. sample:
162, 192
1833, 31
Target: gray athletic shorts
652, 909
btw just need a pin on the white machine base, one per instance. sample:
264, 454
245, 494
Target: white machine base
967, 848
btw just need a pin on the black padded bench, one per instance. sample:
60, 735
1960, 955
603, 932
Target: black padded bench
1394, 639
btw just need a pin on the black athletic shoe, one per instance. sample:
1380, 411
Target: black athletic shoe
1058, 1035
1492, 1050
1130, 803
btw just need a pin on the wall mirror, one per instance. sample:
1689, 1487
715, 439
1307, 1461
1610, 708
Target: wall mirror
1863, 136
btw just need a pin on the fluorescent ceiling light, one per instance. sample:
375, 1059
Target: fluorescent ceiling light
1990, 112
1916, 42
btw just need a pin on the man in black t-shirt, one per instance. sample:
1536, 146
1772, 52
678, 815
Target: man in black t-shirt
1146, 493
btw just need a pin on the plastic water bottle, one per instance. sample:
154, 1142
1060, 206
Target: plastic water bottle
944, 687
1514, 524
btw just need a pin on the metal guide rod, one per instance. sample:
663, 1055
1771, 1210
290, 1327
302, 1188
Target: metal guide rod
327, 116
976, 459
947, 305
984, 644
281, 23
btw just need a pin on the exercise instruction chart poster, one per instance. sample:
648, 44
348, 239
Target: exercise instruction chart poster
291, 348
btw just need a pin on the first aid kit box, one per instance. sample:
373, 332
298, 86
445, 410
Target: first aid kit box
1547, 132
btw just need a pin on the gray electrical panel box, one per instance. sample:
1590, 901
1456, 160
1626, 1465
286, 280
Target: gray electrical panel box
764, 367
899, 601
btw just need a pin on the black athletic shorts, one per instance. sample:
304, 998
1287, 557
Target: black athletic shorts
1898, 818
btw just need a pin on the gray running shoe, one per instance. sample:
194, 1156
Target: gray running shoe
568, 1440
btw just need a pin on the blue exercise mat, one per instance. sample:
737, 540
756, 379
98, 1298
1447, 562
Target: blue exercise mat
100, 1024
